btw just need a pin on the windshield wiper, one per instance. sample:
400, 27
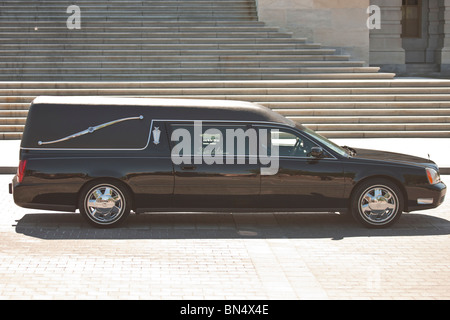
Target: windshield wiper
350, 151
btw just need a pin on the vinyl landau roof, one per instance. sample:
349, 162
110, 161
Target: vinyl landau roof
54, 118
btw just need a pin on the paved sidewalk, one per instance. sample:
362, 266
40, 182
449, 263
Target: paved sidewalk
46, 255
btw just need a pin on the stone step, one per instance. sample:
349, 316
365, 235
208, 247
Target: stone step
348, 98
363, 105
166, 3
17, 121
149, 32
338, 94
392, 101
177, 58
124, 52
8, 11
27, 3
8, 107
436, 121
370, 113
122, 17
345, 108
194, 77
138, 11
357, 116
179, 64
164, 40
281, 84
60, 25
381, 127
175, 47
384, 134
114, 4
10, 135
11, 128
307, 98
177, 14
319, 109
160, 35
19, 116
187, 70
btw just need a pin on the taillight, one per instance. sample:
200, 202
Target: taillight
21, 170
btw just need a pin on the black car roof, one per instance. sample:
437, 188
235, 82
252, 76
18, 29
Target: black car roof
189, 109
53, 118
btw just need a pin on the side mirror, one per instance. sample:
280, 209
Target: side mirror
317, 152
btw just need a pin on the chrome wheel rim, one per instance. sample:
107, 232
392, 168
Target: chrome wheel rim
378, 205
104, 204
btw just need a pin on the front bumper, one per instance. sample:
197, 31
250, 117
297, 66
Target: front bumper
427, 197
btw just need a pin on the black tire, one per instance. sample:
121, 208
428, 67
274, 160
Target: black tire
377, 203
104, 204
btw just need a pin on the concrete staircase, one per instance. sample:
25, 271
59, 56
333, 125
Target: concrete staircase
158, 41
336, 108
203, 49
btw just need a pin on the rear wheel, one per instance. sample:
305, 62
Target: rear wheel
104, 204
377, 203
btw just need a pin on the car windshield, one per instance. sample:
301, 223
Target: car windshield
333, 146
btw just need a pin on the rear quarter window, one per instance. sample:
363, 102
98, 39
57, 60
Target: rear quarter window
47, 123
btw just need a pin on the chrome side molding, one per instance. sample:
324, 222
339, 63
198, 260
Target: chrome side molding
90, 130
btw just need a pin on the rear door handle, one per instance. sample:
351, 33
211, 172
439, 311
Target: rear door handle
188, 167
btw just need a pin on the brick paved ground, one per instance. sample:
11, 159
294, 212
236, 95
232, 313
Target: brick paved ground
222, 256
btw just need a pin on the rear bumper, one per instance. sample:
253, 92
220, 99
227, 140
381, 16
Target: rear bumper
32, 197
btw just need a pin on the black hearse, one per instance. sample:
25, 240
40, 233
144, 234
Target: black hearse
109, 156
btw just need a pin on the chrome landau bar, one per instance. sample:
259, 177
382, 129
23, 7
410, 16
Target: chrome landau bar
90, 130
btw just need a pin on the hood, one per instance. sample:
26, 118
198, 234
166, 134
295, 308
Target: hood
393, 157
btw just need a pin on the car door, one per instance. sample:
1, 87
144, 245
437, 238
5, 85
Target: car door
151, 173
302, 181
209, 174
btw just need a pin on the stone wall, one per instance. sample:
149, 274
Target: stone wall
386, 46
443, 53
333, 23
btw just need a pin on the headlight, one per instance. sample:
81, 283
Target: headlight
433, 176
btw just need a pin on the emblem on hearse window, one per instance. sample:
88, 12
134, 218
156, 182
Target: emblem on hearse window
156, 135
90, 130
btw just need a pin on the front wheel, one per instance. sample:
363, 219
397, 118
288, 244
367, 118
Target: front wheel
104, 204
377, 203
